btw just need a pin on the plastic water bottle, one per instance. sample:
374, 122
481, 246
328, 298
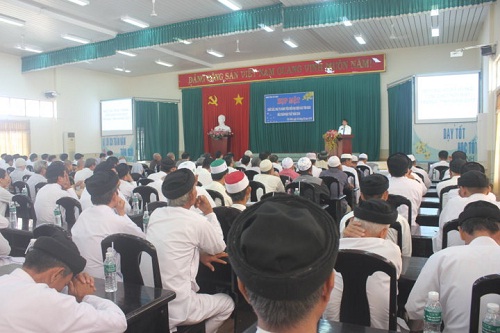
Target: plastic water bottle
12, 214
145, 220
432, 313
24, 191
57, 216
110, 284
491, 321
135, 204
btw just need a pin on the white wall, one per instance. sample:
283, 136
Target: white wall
78, 103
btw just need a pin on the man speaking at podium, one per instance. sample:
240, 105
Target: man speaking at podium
345, 129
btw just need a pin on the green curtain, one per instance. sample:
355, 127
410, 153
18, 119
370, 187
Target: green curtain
400, 117
334, 12
192, 119
355, 97
156, 128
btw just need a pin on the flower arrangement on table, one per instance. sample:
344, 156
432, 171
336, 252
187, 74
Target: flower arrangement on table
218, 135
332, 138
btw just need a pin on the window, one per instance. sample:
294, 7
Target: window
27, 108
15, 137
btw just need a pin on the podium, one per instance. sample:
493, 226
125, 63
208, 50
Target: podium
223, 145
344, 146
347, 144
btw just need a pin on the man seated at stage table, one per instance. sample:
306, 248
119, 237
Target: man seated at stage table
183, 239
375, 216
32, 300
106, 217
304, 166
288, 168
375, 187
443, 161
218, 169
286, 279
452, 271
403, 183
238, 188
58, 186
268, 176
335, 171
472, 186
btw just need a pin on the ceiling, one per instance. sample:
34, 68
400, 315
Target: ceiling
46, 20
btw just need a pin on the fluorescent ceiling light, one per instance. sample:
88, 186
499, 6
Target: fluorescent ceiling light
229, 4
215, 53
80, 2
376, 60
290, 43
435, 32
128, 54
346, 22
75, 38
133, 21
265, 27
456, 53
162, 63
435, 12
183, 41
29, 48
120, 69
360, 40
11, 20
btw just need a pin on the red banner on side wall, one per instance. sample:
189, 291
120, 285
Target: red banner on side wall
232, 101
322, 67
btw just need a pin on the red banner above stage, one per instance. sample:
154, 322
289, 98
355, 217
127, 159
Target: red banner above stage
335, 66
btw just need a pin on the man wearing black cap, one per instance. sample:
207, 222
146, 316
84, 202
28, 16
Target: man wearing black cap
375, 187
403, 183
287, 279
127, 184
32, 300
455, 166
106, 217
58, 186
167, 166
472, 186
182, 239
452, 271
375, 216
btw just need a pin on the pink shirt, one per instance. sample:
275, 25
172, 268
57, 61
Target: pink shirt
290, 173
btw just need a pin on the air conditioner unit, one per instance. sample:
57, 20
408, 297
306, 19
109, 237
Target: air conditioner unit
69, 145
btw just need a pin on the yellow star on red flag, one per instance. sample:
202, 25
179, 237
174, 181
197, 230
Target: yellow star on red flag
238, 100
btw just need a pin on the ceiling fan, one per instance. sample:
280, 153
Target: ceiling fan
238, 48
153, 13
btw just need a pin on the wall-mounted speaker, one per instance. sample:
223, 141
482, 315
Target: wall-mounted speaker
488, 50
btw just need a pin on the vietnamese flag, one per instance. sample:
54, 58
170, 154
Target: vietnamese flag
232, 101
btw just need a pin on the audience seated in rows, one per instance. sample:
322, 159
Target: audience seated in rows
453, 270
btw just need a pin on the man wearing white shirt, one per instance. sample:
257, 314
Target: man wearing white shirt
203, 171
345, 129
106, 217
375, 187
403, 183
58, 186
375, 216
423, 175
455, 166
183, 239
452, 271
20, 171
4, 244
52, 264
237, 187
127, 184
218, 169
362, 159
39, 168
87, 171
345, 159
268, 176
167, 166
443, 161
315, 170
472, 186
32, 159
5, 195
